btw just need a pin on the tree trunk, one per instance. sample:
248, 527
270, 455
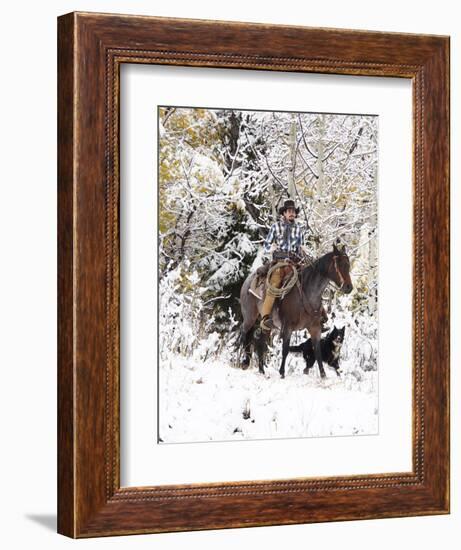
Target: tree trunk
292, 167
319, 196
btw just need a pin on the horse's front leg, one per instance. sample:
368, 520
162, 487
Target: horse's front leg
286, 336
316, 334
310, 360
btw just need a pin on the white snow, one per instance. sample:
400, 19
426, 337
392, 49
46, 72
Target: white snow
215, 400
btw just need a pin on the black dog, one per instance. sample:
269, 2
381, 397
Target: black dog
330, 346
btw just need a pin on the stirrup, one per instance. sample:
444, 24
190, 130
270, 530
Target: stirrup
266, 323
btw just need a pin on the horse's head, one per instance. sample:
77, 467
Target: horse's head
339, 269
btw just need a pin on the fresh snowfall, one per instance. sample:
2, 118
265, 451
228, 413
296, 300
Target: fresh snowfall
222, 175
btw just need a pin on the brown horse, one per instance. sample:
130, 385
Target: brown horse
300, 309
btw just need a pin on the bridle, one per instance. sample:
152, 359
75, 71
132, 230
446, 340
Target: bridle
334, 261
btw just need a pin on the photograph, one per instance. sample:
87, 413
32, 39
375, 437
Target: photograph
227, 266
267, 274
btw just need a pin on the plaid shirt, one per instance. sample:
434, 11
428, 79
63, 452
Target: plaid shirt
294, 241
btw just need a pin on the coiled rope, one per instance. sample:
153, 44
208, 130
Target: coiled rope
287, 286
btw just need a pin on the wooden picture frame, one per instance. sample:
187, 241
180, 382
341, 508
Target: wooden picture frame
91, 48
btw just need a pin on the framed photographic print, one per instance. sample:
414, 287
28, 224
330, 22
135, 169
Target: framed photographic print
253, 274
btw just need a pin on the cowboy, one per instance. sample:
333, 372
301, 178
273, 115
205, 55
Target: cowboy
286, 240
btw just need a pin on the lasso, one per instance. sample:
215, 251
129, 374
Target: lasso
287, 286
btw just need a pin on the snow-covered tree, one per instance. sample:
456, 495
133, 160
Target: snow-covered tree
223, 175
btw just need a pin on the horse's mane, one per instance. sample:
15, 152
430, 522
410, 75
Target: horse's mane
320, 265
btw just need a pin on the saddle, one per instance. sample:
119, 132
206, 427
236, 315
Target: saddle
258, 284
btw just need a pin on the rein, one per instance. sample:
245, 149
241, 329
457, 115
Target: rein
338, 272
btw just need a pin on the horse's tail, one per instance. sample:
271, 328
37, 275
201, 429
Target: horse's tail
239, 340
238, 346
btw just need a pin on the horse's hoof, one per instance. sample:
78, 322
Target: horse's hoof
282, 376
306, 371
244, 366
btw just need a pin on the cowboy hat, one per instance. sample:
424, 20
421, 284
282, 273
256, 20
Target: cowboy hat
288, 204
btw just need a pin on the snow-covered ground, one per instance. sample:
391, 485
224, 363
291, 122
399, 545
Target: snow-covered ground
214, 400
220, 182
